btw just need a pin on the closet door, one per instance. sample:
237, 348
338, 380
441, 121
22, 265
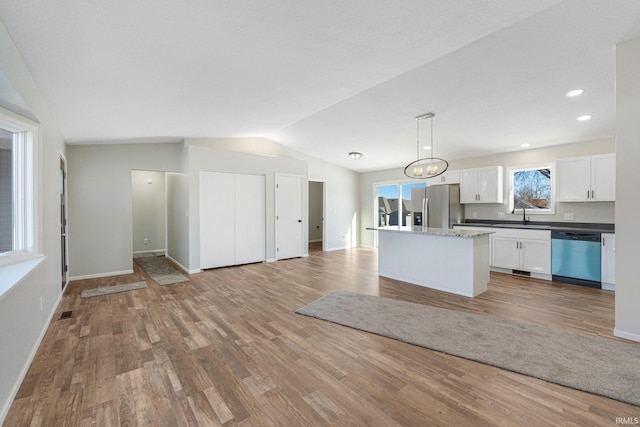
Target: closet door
217, 219
250, 228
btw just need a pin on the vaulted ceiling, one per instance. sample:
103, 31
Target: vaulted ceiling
328, 77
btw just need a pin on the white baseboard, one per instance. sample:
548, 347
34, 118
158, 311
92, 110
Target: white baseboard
608, 286
151, 251
271, 260
27, 362
97, 275
336, 249
626, 335
185, 269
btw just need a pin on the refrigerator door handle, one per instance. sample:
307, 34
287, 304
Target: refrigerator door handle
425, 212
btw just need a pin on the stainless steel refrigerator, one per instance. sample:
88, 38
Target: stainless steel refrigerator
437, 206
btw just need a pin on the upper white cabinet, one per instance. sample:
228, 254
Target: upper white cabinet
482, 185
586, 179
449, 177
608, 260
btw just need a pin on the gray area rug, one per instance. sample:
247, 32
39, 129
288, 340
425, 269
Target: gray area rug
594, 364
87, 293
159, 271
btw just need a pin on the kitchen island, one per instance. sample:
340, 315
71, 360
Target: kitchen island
455, 261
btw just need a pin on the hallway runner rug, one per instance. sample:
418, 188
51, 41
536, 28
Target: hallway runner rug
160, 271
593, 364
88, 293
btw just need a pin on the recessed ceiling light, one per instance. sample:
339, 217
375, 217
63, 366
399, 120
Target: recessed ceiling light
427, 147
355, 155
526, 144
575, 92
584, 118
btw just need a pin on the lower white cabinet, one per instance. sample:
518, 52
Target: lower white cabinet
608, 261
232, 219
524, 250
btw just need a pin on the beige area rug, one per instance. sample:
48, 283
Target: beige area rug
88, 293
593, 364
160, 271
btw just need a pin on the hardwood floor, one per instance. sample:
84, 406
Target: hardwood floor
227, 349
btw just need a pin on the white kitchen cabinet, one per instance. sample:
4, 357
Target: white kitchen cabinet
481, 185
523, 250
449, 177
232, 219
608, 261
586, 179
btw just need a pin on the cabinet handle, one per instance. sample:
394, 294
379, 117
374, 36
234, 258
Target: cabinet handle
593, 194
588, 194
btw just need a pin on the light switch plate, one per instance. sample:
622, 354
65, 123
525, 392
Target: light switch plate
568, 217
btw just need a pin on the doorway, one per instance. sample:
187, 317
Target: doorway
63, 222
149, 212
316, 215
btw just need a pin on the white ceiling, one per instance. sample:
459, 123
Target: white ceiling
327, 77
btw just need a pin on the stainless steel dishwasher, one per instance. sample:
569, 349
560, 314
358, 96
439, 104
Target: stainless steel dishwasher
575, 257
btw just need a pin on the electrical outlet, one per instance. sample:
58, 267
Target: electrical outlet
474, 214
500, 214
568, 217
145, 241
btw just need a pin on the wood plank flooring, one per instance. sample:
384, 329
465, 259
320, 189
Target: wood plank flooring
227, 349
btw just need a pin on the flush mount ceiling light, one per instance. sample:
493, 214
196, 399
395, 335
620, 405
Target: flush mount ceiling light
584, 118
426, 167
575, 92
525, 145
355, 155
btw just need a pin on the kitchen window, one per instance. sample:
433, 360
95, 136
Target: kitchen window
531, 188
18, 239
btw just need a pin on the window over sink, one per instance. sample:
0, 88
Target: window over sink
531, 188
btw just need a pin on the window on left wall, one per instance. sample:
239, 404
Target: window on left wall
17, 188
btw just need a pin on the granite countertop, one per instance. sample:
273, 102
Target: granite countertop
432, 231
553, 226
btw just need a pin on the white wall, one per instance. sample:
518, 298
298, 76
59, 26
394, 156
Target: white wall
100, 202
627, 201
148, 211
598, 212
26, 309
342, 186
315, 211
203, 158
178, 218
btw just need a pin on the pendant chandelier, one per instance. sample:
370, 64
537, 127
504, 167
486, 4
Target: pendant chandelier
426, 167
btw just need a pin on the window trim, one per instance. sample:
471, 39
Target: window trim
28, 177
518, 211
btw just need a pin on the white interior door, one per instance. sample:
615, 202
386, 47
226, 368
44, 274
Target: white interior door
217, 219
289, 237
250, 218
